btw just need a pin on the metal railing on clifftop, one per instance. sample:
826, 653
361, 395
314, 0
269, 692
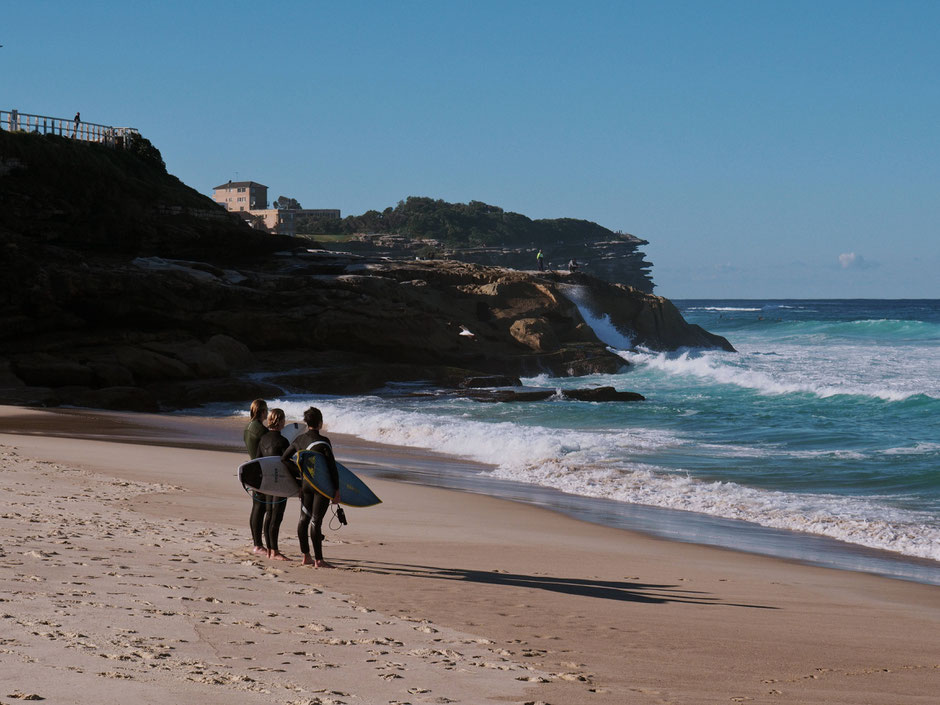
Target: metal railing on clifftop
14, 120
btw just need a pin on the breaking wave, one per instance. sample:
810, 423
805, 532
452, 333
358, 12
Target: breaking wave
609, 464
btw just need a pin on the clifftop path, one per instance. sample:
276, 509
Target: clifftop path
129, 290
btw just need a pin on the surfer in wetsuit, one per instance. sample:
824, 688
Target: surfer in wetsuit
313, 504
270, 444
253, 433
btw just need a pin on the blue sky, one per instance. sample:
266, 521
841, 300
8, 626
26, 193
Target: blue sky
786, 149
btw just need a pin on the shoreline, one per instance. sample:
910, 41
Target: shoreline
430, 468
440, 594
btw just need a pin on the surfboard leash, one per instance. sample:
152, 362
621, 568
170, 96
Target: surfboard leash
252, 492
340, 515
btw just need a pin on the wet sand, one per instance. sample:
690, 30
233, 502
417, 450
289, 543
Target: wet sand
126, 574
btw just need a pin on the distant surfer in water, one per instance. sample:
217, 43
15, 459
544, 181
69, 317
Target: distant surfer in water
313, 504
252, 435
270, 444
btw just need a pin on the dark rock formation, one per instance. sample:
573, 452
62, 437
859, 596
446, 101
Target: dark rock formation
181, 337
595, 394
490, 381
616, 258
508, 395
601, 394
97, 313
111, 202
648, 320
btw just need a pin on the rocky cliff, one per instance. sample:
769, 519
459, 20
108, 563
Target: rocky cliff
482, 233
173, 305
616, 259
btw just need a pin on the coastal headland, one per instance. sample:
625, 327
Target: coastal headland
129, 290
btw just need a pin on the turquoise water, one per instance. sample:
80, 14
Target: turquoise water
825, 422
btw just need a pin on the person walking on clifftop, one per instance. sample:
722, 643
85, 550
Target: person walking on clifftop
540, 258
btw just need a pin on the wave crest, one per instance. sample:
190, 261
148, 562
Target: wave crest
710, 367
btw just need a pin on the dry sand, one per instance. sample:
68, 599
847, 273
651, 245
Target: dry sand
126, 576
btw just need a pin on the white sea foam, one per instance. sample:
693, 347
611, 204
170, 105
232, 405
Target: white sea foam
916, 449
855, 520
723, 368
774, 451
541, 380
498, 443
609, 464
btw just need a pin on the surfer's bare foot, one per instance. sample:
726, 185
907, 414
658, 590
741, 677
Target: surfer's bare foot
260, 549
324, 564
307, 560
277, 556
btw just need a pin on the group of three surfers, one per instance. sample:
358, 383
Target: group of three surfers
263, 438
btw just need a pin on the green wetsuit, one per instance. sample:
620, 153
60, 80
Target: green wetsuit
252, 435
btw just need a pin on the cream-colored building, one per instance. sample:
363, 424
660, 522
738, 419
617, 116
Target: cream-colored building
241, 196
252, 198
281, 220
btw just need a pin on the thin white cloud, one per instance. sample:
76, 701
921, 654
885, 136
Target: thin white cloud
850, 260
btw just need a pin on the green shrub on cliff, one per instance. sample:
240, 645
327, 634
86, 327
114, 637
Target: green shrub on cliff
143, 148
470, 224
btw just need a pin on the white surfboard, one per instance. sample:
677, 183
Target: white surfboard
268, 475
292, 430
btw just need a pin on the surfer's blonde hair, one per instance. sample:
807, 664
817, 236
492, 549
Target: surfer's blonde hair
275, 416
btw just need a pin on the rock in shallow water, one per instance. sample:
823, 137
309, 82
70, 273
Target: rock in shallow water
594, 394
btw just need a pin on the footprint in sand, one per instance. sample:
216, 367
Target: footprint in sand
317, 627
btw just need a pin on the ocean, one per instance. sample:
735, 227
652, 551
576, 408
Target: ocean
818, 440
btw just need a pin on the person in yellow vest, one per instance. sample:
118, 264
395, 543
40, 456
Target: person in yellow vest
540, 258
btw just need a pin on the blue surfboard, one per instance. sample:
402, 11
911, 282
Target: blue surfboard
315, 472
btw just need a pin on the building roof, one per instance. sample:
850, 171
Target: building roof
240, 184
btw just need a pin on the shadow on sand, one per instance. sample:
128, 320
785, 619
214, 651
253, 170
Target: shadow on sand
623, 591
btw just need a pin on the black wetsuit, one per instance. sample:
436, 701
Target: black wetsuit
272, 443
313, 504
253, 432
